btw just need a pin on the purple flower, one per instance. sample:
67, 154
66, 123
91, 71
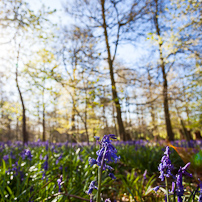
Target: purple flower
92, 161
165, 167
173, 187
45, 166
107, 153
156, 188
59, 181
12, 155
46, 145
108, 200
59, 158
112, 176
109, 167
179, 186
91, 187
26, 154
5, 158
97, 138
145, 175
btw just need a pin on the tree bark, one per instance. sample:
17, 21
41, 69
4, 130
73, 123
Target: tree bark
44, 124
122, 132
151, 105
24, 132
73, 126
44, 116
170, 134
184, 129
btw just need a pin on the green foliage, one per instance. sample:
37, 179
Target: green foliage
29, 182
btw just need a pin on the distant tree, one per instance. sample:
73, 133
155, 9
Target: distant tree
109, 21
18, 19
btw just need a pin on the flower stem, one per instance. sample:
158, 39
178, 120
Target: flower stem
100, 168
99, 184
166, 183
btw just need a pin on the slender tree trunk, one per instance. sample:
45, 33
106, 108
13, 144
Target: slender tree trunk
152, 110
73, 127
170, 134
16, 130
114, 119
184, 129
104, 113
186, 104
113, 84
105, 120
44, 124
9, 128
24, 132
86, 116
44, 117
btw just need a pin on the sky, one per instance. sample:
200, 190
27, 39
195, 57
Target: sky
128, 54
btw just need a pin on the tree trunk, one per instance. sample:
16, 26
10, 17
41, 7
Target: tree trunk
170, 134
16, 130
44, 118
113, 85
184, 129
73, 126
114, 119
86, 117
152, 109
24, 132
44, 124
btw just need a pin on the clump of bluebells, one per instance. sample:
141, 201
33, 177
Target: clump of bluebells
106, 154
165, 168
26, 154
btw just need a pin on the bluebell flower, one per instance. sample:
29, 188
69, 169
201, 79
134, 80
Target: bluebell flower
26, 154
15, 168
5, 158
165, 167
97, 138
156, 188
45, 166
112, 176
59, 181
107, 151
91, 187
173, 187
92, 161
106, 154
46, 145
145, 175
179, 186
109, 167
59, 158
12, 155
